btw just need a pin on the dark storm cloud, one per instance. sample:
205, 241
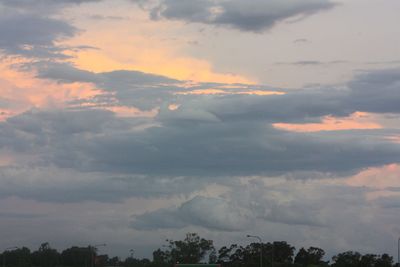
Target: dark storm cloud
254, 16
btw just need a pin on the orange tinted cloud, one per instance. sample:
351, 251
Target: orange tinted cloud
394, 139
157, 62
357, 120
145, 47
380, 179
123, 111
217, 91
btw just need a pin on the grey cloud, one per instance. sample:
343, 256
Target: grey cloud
205, 148
294, 214
301, 40
254, 16
20, 216
101, 17
389, 202
142, 90
33, 36
222, 135
52, 184
313, 63
218, 135
210, 213
160, 219
31, 5
97, 141
248, 205
375, 92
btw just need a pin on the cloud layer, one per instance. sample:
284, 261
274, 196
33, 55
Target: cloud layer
253, 16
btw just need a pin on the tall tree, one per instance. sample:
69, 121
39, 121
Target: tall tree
347, 259
192, 249
283, 252
384, 261
45, 256
77, 256
368, 260
311, 256
20, 257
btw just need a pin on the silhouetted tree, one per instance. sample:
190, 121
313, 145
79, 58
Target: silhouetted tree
114, 261
192, 249
45, 256
347, 259
311, 256
20, 257
77, 256
384, 261
283, 252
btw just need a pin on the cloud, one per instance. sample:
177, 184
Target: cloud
313, 62
211, 213
40, 5
219, 149
31, 29
21, 216
253, 16
372, 92
32, 36
59, 185
132, 88
224, 135
389, 202
278, 204
376, 91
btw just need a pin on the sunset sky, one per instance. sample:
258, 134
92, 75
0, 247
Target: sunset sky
129, 122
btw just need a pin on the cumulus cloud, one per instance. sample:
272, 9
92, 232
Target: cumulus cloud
211, 213
254, 16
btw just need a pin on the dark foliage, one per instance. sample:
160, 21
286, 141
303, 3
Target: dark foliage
194, 249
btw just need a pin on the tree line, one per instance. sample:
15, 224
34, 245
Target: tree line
195, 249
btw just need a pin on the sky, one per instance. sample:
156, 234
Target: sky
129, 122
